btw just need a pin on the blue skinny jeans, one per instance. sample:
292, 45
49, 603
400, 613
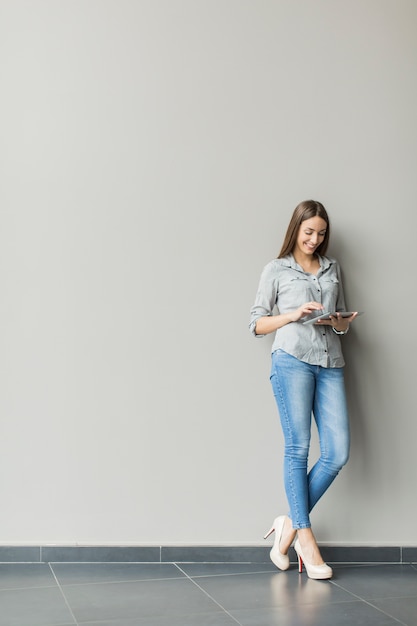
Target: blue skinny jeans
302, 390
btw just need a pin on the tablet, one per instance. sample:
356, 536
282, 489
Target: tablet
327, 314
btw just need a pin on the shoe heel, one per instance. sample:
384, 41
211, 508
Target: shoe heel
300, 564
282, 561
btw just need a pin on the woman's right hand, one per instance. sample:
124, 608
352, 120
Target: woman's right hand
271, 323
305, 309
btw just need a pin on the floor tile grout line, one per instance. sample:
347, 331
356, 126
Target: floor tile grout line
255, 573
368, 603
124, 582
411, 596
384, 612
63, 595
208, 595
5, 589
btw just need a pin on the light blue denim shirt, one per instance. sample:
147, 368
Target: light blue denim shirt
283, 287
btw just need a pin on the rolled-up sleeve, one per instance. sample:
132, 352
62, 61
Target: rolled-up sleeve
266, 297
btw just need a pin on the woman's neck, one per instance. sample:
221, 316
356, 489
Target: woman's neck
309, 263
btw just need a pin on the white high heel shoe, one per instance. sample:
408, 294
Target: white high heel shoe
317, 572
282, 561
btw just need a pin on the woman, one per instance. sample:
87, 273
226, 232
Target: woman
306, 374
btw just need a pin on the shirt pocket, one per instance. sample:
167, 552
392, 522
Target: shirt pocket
301, 290
330, 289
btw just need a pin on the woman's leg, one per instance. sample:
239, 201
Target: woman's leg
331, 416
293, 383
300, 388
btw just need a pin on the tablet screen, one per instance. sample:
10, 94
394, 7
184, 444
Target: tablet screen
326, 315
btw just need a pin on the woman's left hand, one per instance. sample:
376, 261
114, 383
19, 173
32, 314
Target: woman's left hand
338, 322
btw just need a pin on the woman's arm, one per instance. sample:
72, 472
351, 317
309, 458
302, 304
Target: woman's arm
270, 323
263, 321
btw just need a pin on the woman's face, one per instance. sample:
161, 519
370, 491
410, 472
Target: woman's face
310, 235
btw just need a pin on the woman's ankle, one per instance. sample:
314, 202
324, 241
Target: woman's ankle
309, 546
288, 535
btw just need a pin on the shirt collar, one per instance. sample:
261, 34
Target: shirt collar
324, 261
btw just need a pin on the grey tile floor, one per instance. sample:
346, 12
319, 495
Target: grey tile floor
204, 594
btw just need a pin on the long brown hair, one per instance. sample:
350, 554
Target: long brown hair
304, 211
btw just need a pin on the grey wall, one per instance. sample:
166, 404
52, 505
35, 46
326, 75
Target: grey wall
151, 155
